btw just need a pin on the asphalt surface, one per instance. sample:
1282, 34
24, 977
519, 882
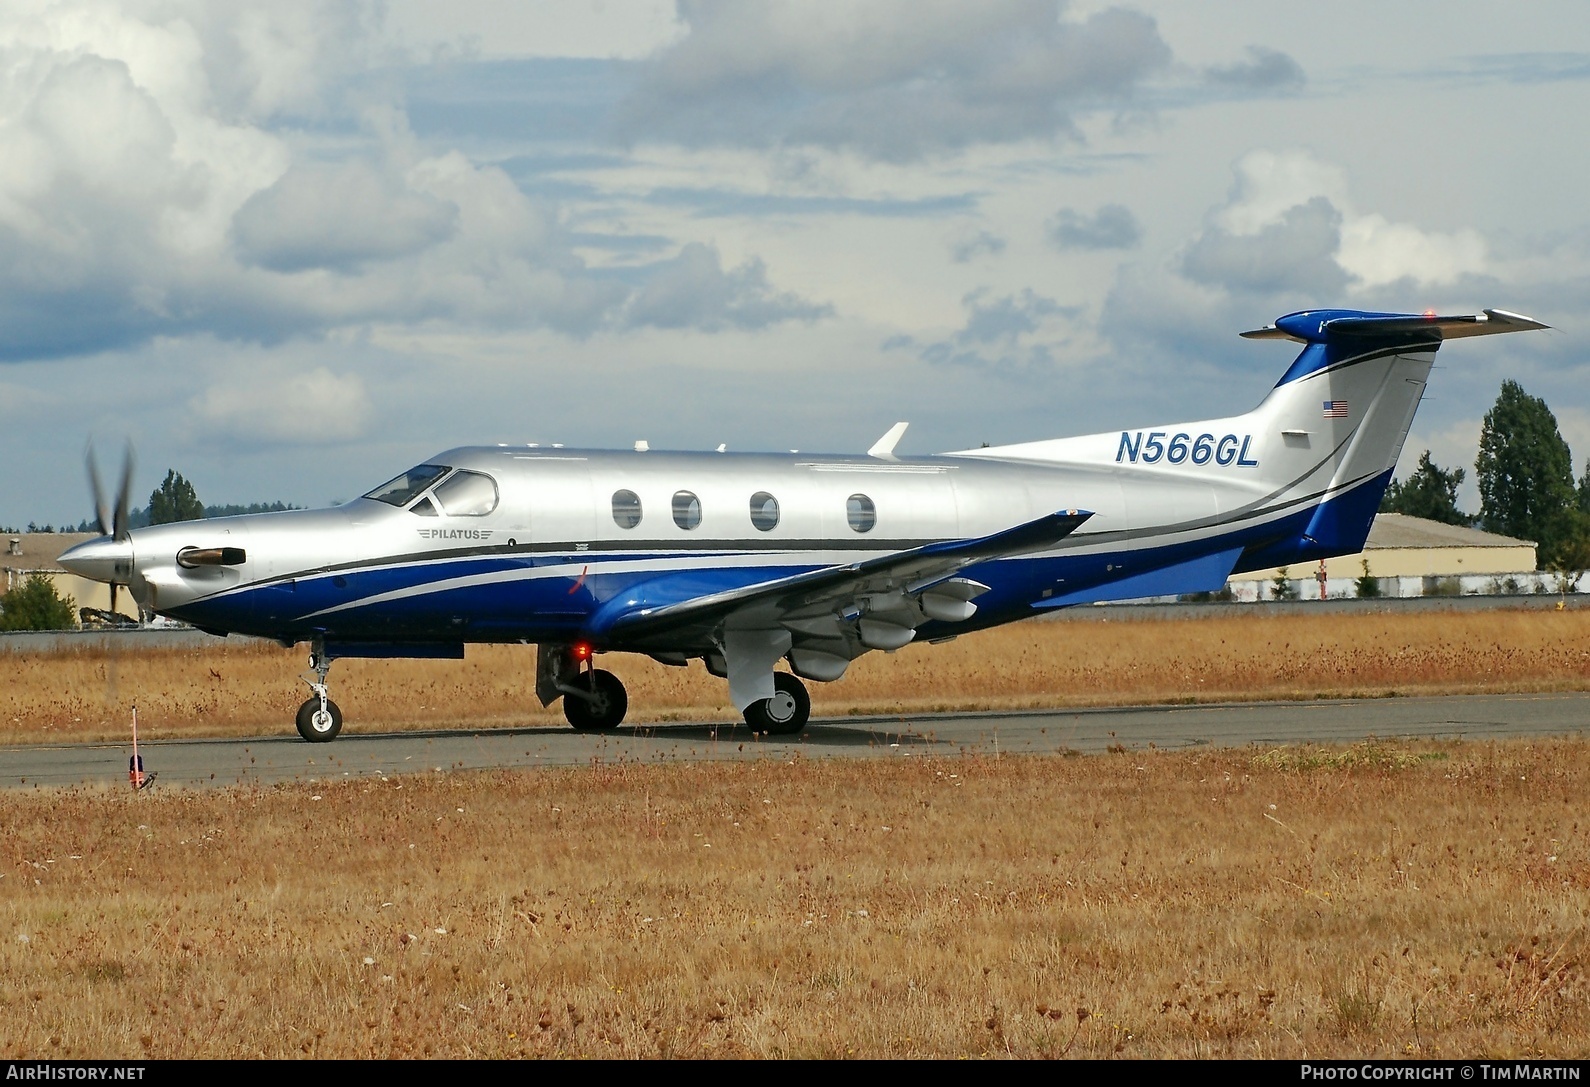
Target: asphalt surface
196, 763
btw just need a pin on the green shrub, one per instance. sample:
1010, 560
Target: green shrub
35, 605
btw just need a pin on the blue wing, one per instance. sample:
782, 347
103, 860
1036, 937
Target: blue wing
903, 589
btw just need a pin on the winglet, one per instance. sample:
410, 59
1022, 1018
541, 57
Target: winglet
884, 447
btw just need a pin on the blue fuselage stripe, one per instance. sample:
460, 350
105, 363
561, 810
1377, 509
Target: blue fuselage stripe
552, 597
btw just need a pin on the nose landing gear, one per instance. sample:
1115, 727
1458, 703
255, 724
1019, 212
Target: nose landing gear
319, 719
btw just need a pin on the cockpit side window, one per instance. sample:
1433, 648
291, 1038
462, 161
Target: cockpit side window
467, 494
401, 491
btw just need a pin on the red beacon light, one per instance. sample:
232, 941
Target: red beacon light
582, 651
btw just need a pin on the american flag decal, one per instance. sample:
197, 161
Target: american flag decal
1335, 409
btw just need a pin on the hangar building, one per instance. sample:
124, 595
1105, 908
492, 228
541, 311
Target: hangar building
27, 553
1410, 556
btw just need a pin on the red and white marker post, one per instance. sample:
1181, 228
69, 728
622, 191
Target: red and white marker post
135, 765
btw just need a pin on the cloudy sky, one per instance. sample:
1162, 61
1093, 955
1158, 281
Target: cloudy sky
290, 249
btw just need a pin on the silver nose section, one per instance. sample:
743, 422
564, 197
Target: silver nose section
104, 559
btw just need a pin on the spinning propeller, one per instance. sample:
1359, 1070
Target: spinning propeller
114, 524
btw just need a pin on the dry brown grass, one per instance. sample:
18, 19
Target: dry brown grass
1425, 902
238, 688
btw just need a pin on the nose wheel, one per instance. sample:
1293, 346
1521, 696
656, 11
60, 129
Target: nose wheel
319, 719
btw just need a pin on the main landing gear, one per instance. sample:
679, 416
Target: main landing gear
785, 713
593, 698
319, 719
595, 701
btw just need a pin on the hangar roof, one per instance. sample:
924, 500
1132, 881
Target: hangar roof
1400, 530
38, 551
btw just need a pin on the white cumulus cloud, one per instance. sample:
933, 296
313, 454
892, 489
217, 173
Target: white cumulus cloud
180, 167
1272, 186
314, 407
892, 79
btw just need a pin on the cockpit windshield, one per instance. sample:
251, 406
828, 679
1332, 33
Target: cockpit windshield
400, 491
468, 494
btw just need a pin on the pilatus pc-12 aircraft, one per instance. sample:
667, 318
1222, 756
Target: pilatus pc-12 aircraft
746, 560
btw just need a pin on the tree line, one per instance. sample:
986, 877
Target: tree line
1524, 472
174, 500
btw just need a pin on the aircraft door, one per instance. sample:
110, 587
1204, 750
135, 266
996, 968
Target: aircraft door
560, 503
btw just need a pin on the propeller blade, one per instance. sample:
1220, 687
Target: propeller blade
119, 526
101, 508
113, 587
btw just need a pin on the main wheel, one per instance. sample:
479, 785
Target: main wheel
604, 709
316, 725
786, 712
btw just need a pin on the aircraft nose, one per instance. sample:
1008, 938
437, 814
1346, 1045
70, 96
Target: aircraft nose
104, 559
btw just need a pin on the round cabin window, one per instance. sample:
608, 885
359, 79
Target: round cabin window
764, 511
626, 509
687, 510
861, 513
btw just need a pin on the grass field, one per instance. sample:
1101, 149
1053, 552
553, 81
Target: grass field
1376, 900
240, 688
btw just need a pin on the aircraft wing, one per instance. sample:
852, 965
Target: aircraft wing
834, 604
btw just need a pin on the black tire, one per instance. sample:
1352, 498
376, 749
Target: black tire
785, 713
314, 727
605, 708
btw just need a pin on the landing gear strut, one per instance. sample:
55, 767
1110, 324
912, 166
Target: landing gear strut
319, 719
786, 712
593, 698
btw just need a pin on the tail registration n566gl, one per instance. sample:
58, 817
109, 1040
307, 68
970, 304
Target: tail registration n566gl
1184, 448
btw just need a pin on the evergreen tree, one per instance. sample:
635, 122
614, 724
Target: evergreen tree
1369, 585
1525, 473
1429, 492
174, 500
34, 605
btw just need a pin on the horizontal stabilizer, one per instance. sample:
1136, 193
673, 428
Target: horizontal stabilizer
1322, 326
